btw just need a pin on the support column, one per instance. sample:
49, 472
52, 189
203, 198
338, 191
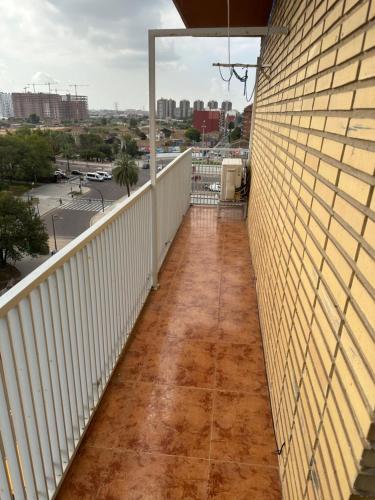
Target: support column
152, 127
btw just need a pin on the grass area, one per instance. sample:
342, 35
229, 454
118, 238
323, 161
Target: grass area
7, 274
18, 189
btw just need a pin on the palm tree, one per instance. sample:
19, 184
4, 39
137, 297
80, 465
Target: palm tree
126, 171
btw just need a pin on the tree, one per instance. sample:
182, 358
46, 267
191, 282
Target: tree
235, 134
25, 155
167, 132
21, 230
133, 122
33, 118
193, 134
126, 171
130, 146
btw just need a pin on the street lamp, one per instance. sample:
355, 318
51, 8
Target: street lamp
55, 217
203, 127
101, 195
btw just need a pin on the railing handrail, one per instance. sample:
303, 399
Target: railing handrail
32, 280
200, 148
173, 163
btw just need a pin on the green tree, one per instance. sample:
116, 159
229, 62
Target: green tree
130, 146
167, 132
235, 134
133, 122
21, 230
37, 161
25, 155
34, 118
126, 171
193, 134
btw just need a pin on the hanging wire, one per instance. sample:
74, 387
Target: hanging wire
232, 71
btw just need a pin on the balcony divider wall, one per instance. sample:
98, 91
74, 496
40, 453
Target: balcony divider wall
311, 226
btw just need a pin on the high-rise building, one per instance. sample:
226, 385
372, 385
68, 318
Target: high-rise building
46, 106
184, 109
246, 121
74, 108
226, 106
213, 104
161, 108
198, 105
53, 107
6, 105
171, 108
166, 108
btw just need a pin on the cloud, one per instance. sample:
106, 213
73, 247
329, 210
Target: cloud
104, 44
41, 77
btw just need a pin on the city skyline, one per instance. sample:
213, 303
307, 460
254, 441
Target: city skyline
64, 42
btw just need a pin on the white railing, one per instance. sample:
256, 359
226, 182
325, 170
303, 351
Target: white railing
63, 328
206, 174
173, 184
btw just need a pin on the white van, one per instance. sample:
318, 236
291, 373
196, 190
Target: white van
94, 176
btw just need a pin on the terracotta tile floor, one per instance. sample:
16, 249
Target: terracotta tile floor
186, 414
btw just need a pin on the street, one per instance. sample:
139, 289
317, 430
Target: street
75, 214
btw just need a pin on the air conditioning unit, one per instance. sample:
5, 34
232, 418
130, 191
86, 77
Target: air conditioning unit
231, 178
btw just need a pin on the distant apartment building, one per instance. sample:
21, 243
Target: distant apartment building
6, 106
46, 106
207, 120
50, 107
166, 108
213, 105
226, 106
184, 109
246, 121
198, 105
74, 108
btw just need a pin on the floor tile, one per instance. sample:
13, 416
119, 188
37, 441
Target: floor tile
181, 363
158, 477
241, 368
238, 327
191, 323
147, 417
150, 437
229, 481
130, 365
238, 298
242, 430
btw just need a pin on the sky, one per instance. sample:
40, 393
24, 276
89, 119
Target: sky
103, 44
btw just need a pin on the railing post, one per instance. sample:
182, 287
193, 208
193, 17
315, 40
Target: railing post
152, 119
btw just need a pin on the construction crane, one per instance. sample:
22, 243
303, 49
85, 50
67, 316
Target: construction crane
75, 85
37, 84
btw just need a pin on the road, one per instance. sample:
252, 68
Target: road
74, 221
69, 222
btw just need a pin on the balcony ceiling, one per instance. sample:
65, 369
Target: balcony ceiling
213, 13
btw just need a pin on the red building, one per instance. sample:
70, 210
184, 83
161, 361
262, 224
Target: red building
206, 121
246, 121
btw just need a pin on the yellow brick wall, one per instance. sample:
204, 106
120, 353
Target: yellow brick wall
312, 233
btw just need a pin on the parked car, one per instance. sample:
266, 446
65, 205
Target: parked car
77, 172
106, 175
94, 176
146, 165
60, 174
